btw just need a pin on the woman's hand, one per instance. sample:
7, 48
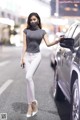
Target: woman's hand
61, 38
22, 63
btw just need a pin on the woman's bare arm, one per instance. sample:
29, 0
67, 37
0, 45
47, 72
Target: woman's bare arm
24, 46
51, 43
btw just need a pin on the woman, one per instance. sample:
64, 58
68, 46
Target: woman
32, 37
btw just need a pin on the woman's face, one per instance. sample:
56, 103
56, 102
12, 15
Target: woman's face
33, 19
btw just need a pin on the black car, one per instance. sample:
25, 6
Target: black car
67, 70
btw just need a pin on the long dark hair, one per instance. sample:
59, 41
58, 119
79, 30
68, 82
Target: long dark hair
29, 17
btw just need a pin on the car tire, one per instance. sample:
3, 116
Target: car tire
57, 93
75, 102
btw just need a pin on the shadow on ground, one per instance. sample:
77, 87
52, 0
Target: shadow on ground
63, 110
20, 107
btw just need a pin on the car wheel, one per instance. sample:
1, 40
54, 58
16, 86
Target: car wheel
75, 105
57, 93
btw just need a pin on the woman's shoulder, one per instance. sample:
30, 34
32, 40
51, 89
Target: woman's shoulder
43, 31
26, 30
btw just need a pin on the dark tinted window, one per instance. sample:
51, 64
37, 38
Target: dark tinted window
70, 31
77, 31
76, 37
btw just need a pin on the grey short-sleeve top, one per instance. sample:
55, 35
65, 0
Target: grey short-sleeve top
34, 38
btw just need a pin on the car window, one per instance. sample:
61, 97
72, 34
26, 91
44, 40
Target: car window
70, 31
77, 31
76, 37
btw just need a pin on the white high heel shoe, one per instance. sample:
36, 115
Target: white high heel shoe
28, 115
34, 106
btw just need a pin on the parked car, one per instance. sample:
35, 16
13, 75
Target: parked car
67, 70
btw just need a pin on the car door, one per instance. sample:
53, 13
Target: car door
65, 63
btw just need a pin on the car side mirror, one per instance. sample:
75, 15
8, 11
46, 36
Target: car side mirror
67, 43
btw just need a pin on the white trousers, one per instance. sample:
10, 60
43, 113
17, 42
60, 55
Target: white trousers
32, 62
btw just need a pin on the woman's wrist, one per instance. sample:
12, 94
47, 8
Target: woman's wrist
58, 40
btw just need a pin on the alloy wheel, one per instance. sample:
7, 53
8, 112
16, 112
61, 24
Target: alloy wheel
75, 106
